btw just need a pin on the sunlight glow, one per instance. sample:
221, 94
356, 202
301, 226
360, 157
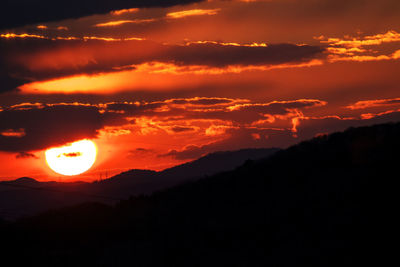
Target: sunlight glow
72, 159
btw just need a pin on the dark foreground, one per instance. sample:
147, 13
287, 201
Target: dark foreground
324, 202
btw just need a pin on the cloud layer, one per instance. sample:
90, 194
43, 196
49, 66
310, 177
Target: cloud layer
22, 12
41, 59
211, 124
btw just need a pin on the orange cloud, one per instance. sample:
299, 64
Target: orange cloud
367, 116
256, 136
292, 104
144, 76
103, 83
62, 28
112, 131
204, 102
26, 106
121, 22
377, 39
170, 68
22, 35
374, 103
254, 44
13, 133
124, 11
84, 38
352, 48
192, 12
345, 51
215, 130
42, 27
395, 55
66, 62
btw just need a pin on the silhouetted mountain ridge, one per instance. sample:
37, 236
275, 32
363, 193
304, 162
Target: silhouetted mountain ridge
219, 161
18, 198
24, 180
324, 202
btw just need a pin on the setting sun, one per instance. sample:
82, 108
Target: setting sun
72, 159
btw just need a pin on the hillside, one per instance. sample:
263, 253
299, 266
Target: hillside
26, 196
319, 203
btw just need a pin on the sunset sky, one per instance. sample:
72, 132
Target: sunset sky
154, 87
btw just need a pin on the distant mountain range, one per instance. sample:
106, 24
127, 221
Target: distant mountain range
330, 201
26, 196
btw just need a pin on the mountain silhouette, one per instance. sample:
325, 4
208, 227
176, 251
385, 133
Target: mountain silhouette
324, 202
135, 182
25, 181
26, 196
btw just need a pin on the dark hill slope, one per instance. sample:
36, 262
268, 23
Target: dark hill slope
26, 196
136, 182
325, 202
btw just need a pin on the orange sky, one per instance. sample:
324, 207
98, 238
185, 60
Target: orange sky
156, 87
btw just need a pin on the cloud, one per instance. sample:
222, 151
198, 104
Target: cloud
219, 124
24, 12
48, 126
235, 139
279, 107
205, 101
192, 12
308, 128
359, 49
171, 15
70, 65
140, 152
15, 133
229, 121
374, 103
217, 55
180, 129
36, 126
124, 11
357, 42
25, 155
72, 154
121, 22
330, 124
72, 57
232, 110
91, 65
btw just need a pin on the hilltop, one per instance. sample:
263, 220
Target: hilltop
319, 203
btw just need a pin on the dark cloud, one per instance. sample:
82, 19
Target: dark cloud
253, 137
230, 111
374, 103
31, 127
202, 101
30, 59
327, 9
218, 55
48, 126
24, 155
237, 139
72, 154
180, 129
140, 149
139, 152
134, 108
9, 83
17, 13
279, 107
309, 128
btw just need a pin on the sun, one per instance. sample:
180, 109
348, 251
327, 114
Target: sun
72, 159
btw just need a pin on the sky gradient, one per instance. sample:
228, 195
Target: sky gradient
154, 87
